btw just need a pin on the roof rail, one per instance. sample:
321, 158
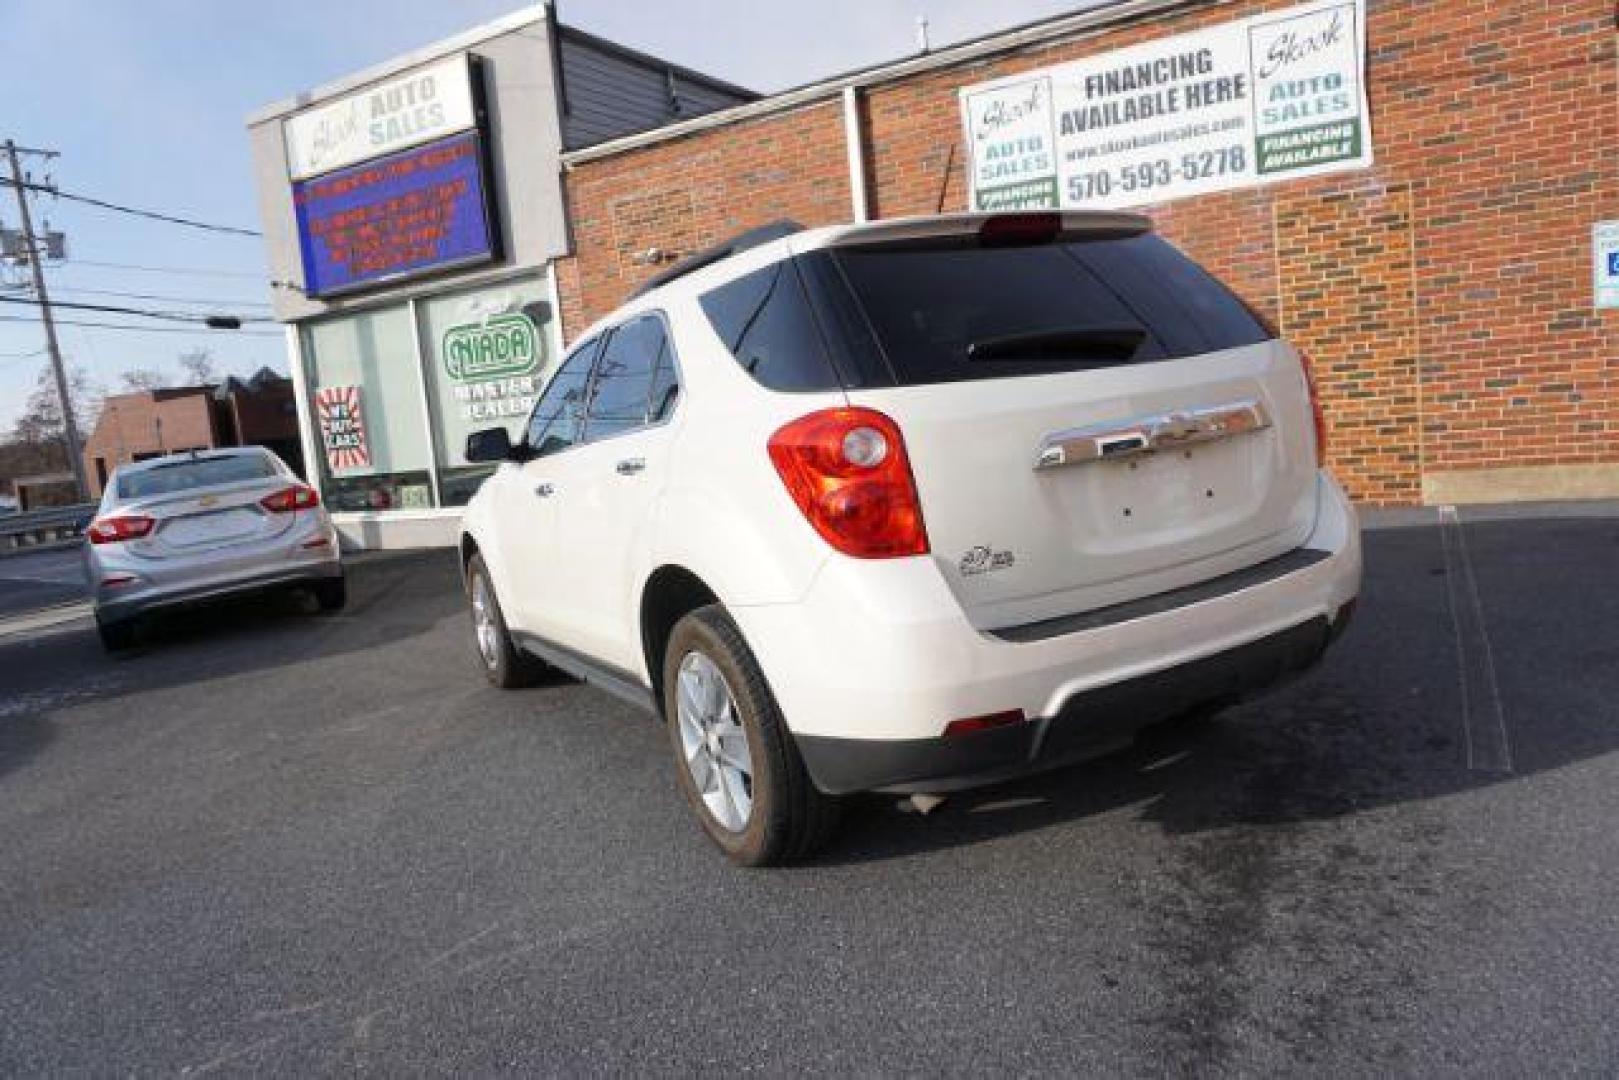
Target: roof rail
737, 244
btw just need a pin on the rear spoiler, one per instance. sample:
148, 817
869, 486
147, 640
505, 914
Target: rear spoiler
988, 230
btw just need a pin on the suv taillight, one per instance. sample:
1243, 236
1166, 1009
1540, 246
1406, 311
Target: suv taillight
848, 472
1317, 415
296, 497
114, 530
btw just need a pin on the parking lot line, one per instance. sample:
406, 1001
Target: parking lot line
1484, 724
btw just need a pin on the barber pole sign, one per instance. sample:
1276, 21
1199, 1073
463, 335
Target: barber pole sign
342, 428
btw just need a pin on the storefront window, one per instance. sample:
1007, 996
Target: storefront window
487, 352
365, 397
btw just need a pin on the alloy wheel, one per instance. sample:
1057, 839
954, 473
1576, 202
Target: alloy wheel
713, 742
483, 622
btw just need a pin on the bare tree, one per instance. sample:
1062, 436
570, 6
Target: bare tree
41, 419
143, 378
198, 366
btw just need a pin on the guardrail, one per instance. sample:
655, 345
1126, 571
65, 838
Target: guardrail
38, 528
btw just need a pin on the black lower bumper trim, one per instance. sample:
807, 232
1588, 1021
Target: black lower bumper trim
1088, 724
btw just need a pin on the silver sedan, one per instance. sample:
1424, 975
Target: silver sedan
189, 527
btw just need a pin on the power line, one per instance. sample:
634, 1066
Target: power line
16, 358
115, 309
152, 214
184, 270
163, 297
141, 329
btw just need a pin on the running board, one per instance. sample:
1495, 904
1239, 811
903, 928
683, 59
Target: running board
621, 684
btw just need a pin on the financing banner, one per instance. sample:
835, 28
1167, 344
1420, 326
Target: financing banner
1278, 96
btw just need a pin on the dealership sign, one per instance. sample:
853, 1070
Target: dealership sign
425, 104
1274, 97
502, 346
421, 209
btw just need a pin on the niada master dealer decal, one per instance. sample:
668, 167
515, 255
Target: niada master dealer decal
1274, 97
492, 365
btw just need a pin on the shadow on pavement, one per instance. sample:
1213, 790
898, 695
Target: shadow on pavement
1384, 720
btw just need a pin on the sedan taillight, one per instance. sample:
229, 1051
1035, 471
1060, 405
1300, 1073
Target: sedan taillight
115, 530
848, 472
296, 497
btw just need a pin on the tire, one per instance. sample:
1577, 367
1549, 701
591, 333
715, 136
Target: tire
504, 664
331, 594
116, 636
787, 819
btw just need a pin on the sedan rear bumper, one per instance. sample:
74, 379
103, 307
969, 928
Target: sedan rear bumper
112, 608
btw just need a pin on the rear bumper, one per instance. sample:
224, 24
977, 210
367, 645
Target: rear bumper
1088, 724
877, 659
111, 608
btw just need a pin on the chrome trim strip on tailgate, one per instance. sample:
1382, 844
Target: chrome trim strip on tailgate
1212, 589
1144, 434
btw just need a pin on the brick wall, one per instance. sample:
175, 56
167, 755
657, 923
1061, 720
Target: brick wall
686, 194
128, 427
1445, 293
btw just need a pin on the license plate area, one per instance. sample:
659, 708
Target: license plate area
212, 528
1147, 494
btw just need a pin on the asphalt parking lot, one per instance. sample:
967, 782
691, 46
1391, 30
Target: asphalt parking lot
40, 579
270, 841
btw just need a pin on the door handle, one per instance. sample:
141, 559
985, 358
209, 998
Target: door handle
631, 466
545, 491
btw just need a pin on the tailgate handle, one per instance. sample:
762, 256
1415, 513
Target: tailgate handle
1144, 434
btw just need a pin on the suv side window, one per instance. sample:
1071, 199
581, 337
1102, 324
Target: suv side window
634, 362
765, 320
555, 422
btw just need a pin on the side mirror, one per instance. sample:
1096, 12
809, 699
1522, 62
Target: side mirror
490, 444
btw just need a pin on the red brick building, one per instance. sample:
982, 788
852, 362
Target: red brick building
150, 423
1445, 292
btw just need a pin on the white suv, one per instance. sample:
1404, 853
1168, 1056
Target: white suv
912, 506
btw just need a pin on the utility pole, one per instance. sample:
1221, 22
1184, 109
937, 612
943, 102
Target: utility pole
70, 427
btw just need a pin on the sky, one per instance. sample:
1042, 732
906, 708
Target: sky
145, 100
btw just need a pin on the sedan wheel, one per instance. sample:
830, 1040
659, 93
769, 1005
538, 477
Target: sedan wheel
714, 743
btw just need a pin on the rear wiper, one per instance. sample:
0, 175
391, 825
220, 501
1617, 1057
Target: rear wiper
1104, 343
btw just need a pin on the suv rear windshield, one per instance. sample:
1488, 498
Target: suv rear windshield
928, 312
199, 472
949, 314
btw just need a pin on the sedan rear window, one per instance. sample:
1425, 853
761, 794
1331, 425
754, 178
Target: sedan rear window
177, 476
954, 313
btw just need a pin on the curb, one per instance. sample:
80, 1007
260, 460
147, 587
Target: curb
45, 618
1410, 517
